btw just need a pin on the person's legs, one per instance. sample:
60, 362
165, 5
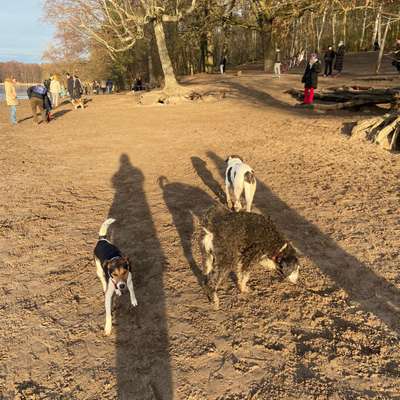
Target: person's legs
33, 107
55, 99
42, 110
306, 95
326, 68
279, 70
311, 97
275, 69
13, 114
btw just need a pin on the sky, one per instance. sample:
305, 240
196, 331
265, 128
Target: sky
23, 35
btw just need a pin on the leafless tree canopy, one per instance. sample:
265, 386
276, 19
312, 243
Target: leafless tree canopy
160, 39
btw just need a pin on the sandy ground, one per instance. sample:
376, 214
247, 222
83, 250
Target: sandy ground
334, 336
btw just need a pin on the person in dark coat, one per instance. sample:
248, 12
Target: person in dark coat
328, 58
340, 58
70, 84
396, 56
310, 78
38, 98
109, 85
78, 88
376, 46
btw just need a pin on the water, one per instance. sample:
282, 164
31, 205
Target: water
21, 92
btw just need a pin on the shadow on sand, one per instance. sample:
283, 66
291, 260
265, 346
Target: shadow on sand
182, 200
142, 345
373, 293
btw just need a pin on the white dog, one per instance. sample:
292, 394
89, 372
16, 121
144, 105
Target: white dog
113, 270
238, 177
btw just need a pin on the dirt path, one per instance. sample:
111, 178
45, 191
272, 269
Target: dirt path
335, 336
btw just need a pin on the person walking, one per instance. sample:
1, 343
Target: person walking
222, 65
328, 58
109, 86
11, 98
37, 97
78, 87
340, 58
277, 64
70, 84
55, 90
103, 86
310, 78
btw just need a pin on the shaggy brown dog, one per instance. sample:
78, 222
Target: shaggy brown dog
237, 242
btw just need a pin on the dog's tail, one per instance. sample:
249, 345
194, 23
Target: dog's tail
162, 181
104, 227
250, 177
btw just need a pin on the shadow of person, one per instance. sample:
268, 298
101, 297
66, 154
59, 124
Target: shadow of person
182, 200
208, 179
60, 113
372, 292
142, 345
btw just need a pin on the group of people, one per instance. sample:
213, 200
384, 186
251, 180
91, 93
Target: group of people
313, 68
43, 97
104, 86
38, 95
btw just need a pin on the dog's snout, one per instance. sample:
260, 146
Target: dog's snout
121, 286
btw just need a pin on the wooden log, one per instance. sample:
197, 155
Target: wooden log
350, 99
395, 143
384, 131
383, 138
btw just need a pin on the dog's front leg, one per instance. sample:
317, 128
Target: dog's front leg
131, 291
100, 274
108, 299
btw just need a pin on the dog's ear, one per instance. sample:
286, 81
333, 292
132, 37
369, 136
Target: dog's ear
127, 261
280, 253
229, 157
235, 156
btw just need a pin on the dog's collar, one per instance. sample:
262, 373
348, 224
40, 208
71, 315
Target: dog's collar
277, 257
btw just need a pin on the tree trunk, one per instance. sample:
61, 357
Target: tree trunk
334, 30
152, 80
321, 30
170, 82
363, 26
203, 52
209, 61
380, 30
268, 51
379, 62
344, 26
376, 25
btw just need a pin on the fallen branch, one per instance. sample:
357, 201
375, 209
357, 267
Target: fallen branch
350, 97
384, 131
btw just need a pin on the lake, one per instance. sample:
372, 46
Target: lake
21, 91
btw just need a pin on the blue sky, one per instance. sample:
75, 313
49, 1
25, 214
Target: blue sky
23, 35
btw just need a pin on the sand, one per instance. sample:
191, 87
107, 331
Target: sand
334, 336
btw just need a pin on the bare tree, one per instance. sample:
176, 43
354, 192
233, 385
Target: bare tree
119, 24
